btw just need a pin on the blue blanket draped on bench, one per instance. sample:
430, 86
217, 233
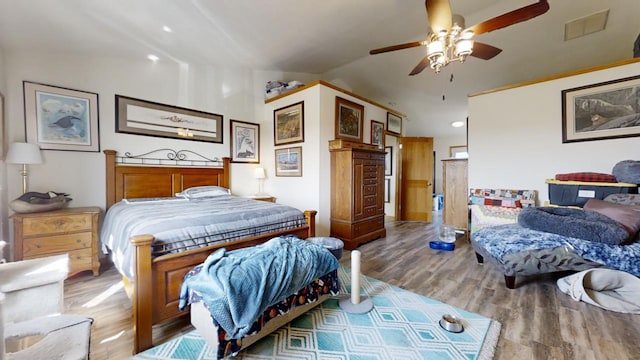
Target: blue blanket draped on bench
238, 285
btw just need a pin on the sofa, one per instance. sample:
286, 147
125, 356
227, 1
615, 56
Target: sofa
517, 250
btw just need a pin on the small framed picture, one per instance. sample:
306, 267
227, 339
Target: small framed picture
394, 123
387, 190
58, 118
289, 161
245, 142
387, 160
349, 120
288, 124
377, 134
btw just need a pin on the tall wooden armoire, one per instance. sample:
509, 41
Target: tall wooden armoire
357, 192
456, 194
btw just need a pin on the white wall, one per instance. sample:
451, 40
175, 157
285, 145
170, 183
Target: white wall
515, 135
4, 233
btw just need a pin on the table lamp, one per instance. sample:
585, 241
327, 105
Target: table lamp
260, 174
25, 154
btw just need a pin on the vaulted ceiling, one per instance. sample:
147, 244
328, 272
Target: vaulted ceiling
331, 38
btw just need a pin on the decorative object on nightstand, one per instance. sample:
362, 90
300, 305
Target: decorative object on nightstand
70, 230
260, 174
25, 154
263, 197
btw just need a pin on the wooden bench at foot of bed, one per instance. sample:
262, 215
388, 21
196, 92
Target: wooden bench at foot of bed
156, 290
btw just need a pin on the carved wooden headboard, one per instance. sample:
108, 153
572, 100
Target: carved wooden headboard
139, 176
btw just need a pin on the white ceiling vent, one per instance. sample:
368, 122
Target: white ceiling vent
586, 25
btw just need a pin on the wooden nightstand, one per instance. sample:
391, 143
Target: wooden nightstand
268, 198
71, 230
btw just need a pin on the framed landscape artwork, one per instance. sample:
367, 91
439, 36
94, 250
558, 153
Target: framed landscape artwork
289, 161
387, 160
394, 123
141, 117
377, 134
599, 111
349, 120
245, 142
288, 124
58, 118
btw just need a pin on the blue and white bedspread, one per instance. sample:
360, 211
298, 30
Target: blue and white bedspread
506, 242
190, 223
237, 286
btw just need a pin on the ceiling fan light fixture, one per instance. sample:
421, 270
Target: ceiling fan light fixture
464, 48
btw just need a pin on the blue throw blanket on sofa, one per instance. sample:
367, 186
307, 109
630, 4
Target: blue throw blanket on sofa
237, 286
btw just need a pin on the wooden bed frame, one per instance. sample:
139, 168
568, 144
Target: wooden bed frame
155, 289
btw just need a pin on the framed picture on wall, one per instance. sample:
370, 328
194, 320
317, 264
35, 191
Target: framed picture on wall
289, 161
387, 190
605, 110
245, 142
387, 160
142, 117
377, 134
349, 120
58, 118
288, 124
394, 123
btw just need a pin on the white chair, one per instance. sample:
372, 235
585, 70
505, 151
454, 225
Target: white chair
32, 325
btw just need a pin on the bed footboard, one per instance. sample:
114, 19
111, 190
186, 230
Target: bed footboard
156, 287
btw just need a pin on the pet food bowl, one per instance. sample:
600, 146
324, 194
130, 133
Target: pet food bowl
451, 323
441, 245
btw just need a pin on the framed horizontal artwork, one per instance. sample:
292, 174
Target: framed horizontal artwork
377, 134
387, 190
387, 160
599, 111
141, 117
349, 120
58, 118
394, 123
245, 142
288, 124
289, 161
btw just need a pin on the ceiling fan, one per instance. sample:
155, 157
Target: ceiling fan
450, 41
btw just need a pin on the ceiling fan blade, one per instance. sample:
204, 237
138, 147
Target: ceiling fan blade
396, 47
513, 17
484, 51
421, 66
438, 14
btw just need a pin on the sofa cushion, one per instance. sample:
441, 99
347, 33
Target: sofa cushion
627, 215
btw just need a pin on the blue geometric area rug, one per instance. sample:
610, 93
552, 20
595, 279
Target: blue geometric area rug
402, 325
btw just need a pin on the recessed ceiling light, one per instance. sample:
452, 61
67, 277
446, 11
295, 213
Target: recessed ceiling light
166, 28
457, 124
153, 57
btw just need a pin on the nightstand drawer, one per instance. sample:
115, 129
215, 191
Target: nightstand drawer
56, 244
79, 260
43, 225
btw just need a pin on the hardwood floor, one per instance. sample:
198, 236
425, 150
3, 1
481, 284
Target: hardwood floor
538, 321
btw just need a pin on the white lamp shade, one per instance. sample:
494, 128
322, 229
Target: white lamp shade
259, 173
23, 153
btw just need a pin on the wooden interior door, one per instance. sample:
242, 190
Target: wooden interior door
415, 171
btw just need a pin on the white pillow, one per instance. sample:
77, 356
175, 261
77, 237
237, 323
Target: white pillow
204, 191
